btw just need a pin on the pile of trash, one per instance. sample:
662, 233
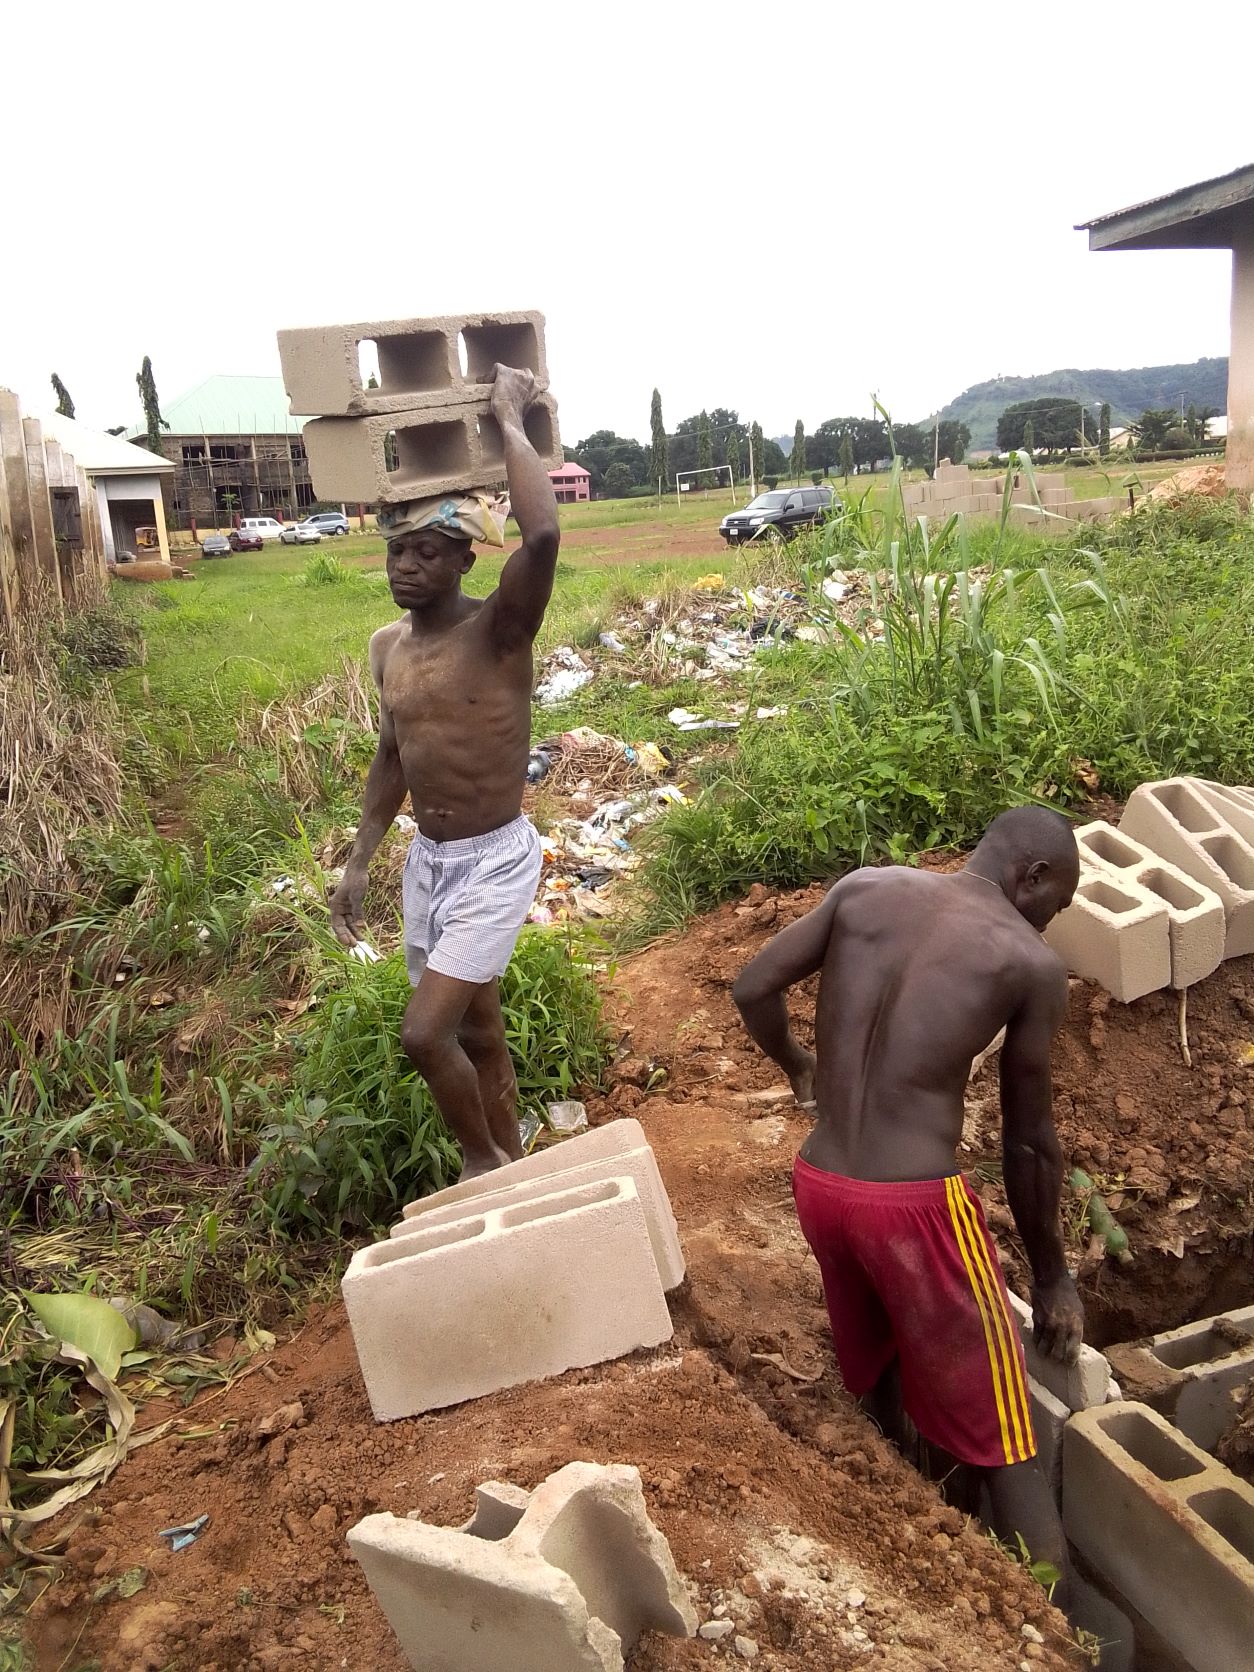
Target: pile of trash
612, 789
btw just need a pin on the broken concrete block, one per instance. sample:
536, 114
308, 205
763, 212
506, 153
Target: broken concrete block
1049, 1418
1077, 1386
1195, 916
505, 1295
438, 450
637, 1163
1115, 933
419, 362
1169, 1527
1188, 1374
1188, 824
568, 1588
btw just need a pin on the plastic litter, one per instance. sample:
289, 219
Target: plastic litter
611, 641
188, 1533
539, 765
565, 672
406, 825
530, 1126
686, 720
364, 953
567, 1117
770, 713
708, 583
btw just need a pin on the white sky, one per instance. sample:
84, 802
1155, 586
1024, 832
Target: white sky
777, 211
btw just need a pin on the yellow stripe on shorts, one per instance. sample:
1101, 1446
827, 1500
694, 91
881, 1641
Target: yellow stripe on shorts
1005, 1328
1002, 1363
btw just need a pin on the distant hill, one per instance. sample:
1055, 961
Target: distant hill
1201, 383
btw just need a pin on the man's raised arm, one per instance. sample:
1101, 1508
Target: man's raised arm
526, 582
384, 796
1032, 1161
759, 992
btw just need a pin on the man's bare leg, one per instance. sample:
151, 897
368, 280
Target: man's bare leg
429, 1039
1022, 1504
482, 1036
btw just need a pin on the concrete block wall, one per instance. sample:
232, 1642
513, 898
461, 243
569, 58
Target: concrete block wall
419, 362
566, 1584
437, 450
955, 489
1076, 1386
584, 1160
1195, 920
1209, 836
1189, 1374
509, 1294
1168, 1527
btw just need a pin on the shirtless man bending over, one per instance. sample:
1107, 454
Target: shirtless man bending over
919, 973
454, 676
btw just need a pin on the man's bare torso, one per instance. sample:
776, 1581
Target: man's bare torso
461, 709
921, 973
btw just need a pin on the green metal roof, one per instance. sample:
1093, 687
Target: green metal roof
225, 405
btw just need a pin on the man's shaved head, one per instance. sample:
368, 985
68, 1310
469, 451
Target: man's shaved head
1032, 853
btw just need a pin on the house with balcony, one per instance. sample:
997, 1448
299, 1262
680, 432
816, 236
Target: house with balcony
571, 484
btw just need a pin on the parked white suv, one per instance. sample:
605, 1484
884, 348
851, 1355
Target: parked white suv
267, 527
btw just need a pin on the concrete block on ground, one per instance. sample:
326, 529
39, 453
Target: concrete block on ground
1195, 914
419, 362
568, 1587
1117, 933
505, 1295
1049, 1418
638, 1164
1192, 828
1189, 1374
437, 450
1077, 1386
616, 1137
1169, 1527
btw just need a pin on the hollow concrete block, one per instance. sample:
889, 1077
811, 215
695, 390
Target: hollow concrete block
1049, 1418
1115, 933
1188, 1374
616, 1137
1078, 1385
506, 1295
437, 450
638, 1164
1209, 837
1196, 922
1167, 1526
419, 362
568, 1586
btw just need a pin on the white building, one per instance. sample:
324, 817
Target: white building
127, 482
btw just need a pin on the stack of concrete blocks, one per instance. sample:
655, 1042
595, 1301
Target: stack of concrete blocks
1137, 923
557, 1261
1167, 1527
562, 1579
953, 489
1057, 1390
1207, 831
429, 419
1192, 1375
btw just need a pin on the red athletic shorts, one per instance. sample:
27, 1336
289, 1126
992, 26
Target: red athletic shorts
909, 1272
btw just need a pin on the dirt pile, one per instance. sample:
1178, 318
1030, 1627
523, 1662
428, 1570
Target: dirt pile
1204, 479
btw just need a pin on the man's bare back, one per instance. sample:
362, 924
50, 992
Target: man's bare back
920, 973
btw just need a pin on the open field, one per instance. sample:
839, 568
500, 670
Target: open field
207, 1107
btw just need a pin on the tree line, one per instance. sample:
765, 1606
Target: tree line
718, 438
1052, 424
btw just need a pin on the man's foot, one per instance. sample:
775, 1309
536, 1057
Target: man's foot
475, 1166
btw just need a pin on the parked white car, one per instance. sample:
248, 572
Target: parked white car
300, 534
269, 528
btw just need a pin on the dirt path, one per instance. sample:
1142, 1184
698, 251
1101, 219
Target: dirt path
778, 1498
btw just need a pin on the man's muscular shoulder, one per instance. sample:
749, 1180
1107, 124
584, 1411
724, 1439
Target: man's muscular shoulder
381, 644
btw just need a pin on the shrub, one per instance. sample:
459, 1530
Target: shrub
325, 569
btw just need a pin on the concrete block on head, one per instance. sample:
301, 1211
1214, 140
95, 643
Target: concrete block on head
505, 1295
1189, 1374
422, 362
1115, 933
638, 1164
568, 1587
1208, 838
450, 449
1167, 1526
1195, 915
1078, 1385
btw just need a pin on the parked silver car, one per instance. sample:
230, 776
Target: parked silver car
300, 534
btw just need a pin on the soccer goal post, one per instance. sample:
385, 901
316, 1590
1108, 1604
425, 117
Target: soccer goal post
684, 483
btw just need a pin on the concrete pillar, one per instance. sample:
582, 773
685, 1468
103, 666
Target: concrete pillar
1240, 457
158, 511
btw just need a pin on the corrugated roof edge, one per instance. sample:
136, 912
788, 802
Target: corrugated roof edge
1244, 174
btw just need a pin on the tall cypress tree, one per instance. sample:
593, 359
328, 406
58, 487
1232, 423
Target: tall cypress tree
757, 459
797, 463
658, 463
733, 453
152, 406
65, 406
705, 454
1103, 432
846, 455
